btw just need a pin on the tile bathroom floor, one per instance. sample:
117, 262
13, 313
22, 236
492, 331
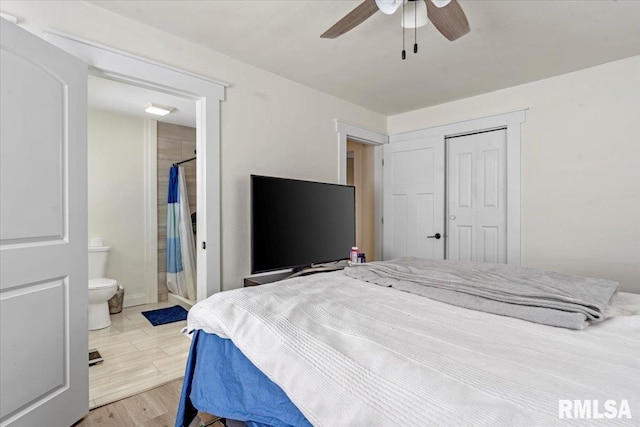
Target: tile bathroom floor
137, 356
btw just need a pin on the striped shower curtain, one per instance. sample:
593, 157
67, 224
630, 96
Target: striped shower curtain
181, 262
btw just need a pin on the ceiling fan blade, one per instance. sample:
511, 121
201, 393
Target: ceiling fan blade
450, 20
351, 20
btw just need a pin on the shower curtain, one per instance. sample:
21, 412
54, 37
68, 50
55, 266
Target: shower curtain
181, 261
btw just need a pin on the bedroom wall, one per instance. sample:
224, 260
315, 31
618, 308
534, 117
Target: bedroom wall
116, 196
269, 125
580, 167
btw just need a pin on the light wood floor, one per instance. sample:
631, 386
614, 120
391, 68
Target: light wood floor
137, 356
153, 408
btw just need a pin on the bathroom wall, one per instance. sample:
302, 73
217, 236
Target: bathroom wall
116, 196
175, 143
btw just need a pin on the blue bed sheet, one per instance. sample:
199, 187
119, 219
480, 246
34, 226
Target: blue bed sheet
220, 380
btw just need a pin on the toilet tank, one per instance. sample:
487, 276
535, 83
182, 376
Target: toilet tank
98, 261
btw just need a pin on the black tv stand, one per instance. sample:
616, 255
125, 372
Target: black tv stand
303, 271
301, 268
267, 278
321, 268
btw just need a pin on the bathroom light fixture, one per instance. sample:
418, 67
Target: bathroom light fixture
157, 109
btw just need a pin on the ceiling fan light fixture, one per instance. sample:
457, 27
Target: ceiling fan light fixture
388, 7
440, 3
415, 15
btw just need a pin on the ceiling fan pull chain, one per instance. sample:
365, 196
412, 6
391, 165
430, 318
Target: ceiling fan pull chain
415, 27
404, 53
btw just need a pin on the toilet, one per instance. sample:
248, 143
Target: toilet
101, 289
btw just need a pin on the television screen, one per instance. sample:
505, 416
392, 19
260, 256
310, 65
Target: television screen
298, 223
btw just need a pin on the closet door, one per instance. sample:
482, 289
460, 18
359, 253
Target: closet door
476, 197
413, 200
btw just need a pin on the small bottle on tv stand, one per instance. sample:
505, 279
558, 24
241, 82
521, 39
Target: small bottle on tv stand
354, 255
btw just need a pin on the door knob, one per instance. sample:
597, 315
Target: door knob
435, 236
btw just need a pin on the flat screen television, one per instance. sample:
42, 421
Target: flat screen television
295, 224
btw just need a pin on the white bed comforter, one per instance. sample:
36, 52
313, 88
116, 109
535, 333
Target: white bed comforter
349, 353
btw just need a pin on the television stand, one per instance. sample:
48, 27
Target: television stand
319, 268
267, 278
270, 278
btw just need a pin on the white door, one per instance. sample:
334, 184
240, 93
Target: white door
476, 197
413, 199
43, 232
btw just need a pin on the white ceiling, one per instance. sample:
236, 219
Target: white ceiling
116, 97
511, 43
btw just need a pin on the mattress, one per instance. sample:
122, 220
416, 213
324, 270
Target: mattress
346, 352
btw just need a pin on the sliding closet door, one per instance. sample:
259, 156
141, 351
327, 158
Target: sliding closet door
413, 200
476, 197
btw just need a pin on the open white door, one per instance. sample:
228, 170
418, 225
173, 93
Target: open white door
43, 232
413, 200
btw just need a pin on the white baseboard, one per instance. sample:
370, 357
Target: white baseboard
135, 299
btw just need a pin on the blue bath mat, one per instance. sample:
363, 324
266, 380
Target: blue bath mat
162, 316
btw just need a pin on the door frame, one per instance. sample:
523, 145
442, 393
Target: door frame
126, 68
150, 171
366, 136
512, 121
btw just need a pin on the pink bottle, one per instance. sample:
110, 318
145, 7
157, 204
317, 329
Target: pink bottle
353, 256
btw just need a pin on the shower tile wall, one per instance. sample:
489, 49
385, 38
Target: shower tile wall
175, 143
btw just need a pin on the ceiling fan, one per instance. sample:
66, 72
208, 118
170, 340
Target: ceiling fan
446, 15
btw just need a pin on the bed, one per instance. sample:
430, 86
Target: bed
331, 349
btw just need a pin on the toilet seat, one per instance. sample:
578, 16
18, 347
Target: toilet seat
101, 283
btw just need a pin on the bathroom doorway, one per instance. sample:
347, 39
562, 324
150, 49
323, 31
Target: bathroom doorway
130, 153
129, 157
207, 94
